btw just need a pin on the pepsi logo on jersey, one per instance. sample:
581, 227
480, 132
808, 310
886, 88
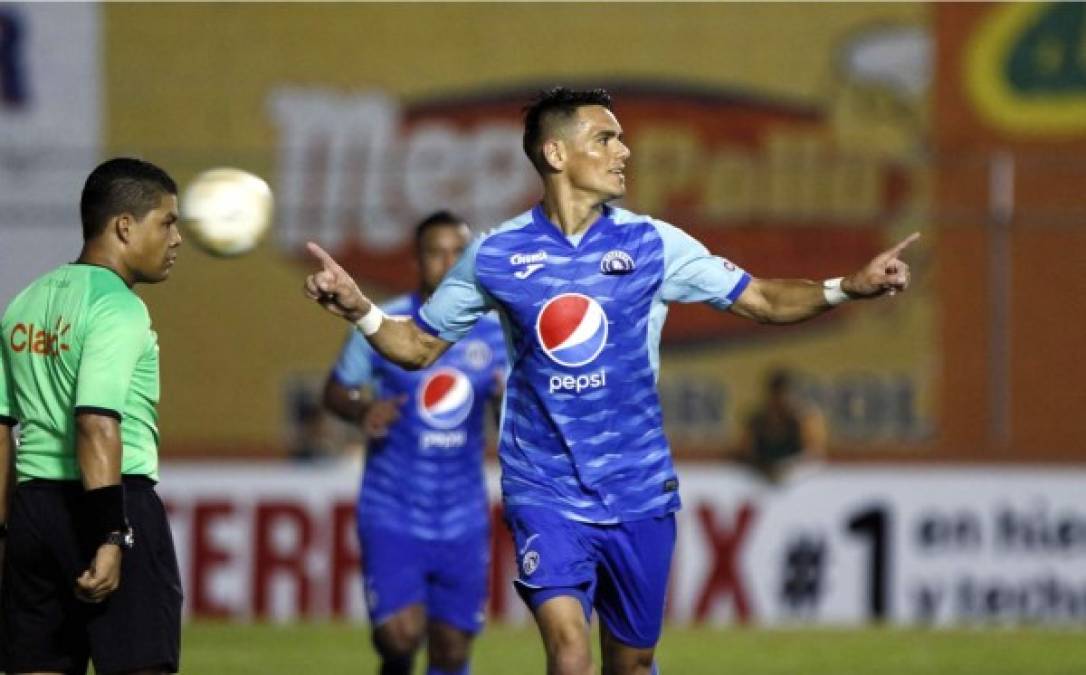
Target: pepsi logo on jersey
444, 398
572, 330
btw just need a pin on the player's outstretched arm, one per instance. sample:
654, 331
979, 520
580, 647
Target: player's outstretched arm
792, 300
398, 339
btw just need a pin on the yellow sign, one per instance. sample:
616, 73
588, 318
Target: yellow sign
1026, 68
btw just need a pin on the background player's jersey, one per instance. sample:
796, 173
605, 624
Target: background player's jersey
78, 339
426, 476
582, 431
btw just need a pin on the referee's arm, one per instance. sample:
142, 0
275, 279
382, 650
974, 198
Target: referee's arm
7, 475
98, 450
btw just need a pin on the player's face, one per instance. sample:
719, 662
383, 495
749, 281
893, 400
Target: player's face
597, 156
154, 241
439, 250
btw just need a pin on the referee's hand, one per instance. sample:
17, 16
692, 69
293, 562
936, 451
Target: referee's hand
102, 577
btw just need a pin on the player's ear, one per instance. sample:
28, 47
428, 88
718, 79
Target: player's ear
554, 152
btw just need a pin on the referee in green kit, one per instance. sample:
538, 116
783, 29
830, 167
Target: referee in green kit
89, 569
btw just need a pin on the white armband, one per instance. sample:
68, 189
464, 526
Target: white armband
370, 321
831, 290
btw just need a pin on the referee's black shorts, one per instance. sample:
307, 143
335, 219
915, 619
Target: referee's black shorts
43, 627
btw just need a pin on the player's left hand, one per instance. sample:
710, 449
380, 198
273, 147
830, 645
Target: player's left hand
102, 577
885, 274
380, 415
334, 289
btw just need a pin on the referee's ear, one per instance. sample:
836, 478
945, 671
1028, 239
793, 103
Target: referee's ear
122, 225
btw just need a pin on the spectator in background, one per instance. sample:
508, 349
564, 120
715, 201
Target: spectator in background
781, 432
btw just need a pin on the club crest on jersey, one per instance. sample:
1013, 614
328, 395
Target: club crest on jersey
616, 262
445, 397
571, 329
477, 354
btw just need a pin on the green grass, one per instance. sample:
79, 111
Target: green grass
330, 649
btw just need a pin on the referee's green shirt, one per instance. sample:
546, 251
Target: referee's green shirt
78, 339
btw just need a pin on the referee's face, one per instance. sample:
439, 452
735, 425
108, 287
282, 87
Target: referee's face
154, 243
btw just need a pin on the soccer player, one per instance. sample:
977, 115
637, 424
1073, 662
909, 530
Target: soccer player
582, 290
90, 570
423, 521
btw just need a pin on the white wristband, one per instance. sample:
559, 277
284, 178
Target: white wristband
370, 321
831, 290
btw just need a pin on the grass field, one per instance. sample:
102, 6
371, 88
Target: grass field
331, 649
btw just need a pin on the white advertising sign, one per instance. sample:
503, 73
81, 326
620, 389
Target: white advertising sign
50, 133
837, 545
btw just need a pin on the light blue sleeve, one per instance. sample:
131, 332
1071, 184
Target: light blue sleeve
458, 302
354, 368
692, 274
496, 340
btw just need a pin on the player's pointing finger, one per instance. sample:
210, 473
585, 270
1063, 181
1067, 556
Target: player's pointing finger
896, 250
320, 254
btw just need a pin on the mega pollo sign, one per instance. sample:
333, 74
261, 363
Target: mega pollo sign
758, 180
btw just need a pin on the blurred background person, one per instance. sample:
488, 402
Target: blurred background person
782, 431
423, 520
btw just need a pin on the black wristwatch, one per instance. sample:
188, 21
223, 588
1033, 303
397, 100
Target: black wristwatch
123, 538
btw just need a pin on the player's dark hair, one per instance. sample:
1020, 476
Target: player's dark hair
118, 186
436, 219
549, 106
779, 381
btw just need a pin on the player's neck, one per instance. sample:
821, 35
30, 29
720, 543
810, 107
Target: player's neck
571, 211
100, 256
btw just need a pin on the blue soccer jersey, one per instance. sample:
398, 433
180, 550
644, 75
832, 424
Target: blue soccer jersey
425, 477
582, 432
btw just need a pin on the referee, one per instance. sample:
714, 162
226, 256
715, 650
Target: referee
90, 571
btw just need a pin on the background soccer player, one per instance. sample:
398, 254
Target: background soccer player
423, 521
90, 570
582, 288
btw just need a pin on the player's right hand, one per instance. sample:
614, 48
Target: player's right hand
334, 289
102, 577
380, 415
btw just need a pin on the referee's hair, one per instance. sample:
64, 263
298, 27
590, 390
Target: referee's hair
118, 186
554, 105
435, 219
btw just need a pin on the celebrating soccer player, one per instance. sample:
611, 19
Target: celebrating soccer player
90, 570
423, 521
582, 290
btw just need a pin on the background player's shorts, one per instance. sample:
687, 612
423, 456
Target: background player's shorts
43, 627
448, 577
621, 569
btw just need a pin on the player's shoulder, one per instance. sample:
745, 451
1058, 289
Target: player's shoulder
625, 217
500, 235
675, 240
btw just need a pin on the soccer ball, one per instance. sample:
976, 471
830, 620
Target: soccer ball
228, 210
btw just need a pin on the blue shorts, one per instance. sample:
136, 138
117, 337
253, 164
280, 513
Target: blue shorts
449, 578
620, 569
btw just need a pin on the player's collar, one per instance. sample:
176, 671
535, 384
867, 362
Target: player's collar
539, 218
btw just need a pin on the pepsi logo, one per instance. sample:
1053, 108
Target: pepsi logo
572, 329
445, 397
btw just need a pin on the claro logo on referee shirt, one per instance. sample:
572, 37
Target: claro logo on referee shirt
39, 341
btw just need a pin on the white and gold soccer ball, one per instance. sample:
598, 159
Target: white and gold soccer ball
228, 211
